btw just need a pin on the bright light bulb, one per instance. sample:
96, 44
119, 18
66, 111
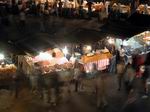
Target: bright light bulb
45, 56
1, 56
65, 51
89, 47
111, 41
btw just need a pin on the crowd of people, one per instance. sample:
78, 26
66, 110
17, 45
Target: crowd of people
128, 70
128, 73
102, 10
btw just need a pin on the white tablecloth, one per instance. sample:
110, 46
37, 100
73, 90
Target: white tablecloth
100, 65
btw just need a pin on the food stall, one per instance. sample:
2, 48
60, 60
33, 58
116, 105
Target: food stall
101, 60
137, 46
7, 72
53, 60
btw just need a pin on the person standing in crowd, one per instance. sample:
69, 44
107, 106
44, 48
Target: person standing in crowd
101, 90
76, 77
16, 83
122, 53
129, 76
146, 74
38, 8
52, 84
60, 4
20, 5
55, 6
89, 4
34, 79
54, 90
113, 62
120, 73
22, 19
46, 4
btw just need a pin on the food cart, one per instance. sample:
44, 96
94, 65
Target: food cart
8, 74
48, 62
101, 60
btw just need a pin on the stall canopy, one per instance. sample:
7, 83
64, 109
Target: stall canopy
139, 40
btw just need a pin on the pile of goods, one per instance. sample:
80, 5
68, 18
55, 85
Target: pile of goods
47, 69
7, 71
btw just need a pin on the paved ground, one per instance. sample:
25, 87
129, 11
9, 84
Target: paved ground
56, 30
50, 32
83, 101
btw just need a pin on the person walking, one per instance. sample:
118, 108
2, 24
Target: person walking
22, 19
101, 90
54, 91
16, 81
129, 77
146, 74
34, 79
120, 73
122, 53
77, 73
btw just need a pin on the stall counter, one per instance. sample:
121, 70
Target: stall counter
87, 59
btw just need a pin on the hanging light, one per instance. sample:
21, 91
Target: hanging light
65, 51
111, 41
45, 56
1, 56
89, 48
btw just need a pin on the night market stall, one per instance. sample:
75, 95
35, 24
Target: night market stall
8, 72
136, 47
47, 71
140, 42
100, 59
53, 60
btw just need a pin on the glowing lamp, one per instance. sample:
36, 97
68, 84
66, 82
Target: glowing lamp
65, 51
125, 43
147, 38
89, 48
111, 41
2, 56
87, 71
45, 56
148, 42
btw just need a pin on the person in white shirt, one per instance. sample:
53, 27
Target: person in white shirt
122, 53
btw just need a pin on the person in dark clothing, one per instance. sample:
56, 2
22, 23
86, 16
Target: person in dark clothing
89, 4
46, 5
15, 9
146, 73
147, 61
60, 4
120, 73
51, 81
129, 77
77, 73
16, 84
117, 56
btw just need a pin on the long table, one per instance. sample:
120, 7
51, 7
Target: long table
100, 60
